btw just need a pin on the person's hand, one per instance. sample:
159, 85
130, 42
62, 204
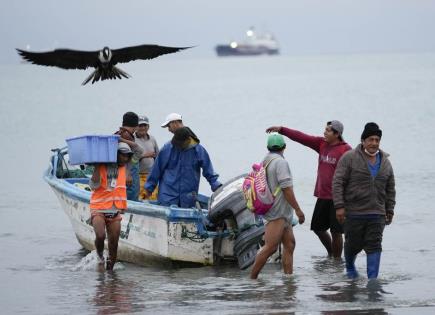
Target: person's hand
146, 194
301, 216
217, 187
96, 173
339, 214
125, 135
149, 155
273, 129
129, 180
389, 218
130, 143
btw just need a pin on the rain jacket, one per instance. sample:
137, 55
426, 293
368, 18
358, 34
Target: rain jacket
177, 172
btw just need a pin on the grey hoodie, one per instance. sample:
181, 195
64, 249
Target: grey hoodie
356, 190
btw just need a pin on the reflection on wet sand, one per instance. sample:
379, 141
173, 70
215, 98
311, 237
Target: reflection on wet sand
352, 290
375, 291
375, 311
284, 292
328, 265
113, 295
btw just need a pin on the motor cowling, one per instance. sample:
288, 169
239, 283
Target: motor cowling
228, 204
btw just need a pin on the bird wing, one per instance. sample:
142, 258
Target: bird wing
62, 58
142, 52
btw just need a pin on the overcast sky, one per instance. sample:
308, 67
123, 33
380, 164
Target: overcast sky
301, 26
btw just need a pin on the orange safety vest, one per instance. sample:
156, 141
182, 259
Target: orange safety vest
102, 198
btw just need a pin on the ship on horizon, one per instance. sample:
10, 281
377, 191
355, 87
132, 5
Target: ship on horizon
254, 44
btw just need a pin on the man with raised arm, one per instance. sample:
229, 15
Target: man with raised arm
330, 148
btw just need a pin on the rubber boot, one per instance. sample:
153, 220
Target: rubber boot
350, 266
373, 262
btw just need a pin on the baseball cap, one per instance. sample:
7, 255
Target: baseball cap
275, 141
143, 120
337, 126
171, 117
124, 148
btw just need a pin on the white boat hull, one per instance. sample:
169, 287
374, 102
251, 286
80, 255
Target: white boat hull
148, 235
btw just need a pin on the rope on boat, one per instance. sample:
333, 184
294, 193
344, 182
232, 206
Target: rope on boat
199, 237
193, 236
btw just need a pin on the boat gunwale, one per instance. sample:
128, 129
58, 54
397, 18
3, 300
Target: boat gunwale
170, 213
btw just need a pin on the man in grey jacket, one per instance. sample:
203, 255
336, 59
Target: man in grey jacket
364, 197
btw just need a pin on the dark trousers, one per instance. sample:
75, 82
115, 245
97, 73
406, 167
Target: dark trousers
133, 189
363, 233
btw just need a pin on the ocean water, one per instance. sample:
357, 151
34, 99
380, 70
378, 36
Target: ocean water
228, 103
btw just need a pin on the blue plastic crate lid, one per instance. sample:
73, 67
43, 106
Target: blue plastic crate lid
89, 149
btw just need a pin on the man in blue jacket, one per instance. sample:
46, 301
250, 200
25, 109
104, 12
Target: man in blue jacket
177, 171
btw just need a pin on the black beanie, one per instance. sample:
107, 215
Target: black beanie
130, 119
371, 129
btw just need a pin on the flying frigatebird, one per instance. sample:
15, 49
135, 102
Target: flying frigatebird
103, 61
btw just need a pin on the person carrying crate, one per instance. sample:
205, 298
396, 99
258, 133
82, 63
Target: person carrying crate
108, 201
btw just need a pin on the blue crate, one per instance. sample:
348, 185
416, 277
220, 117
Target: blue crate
92, 149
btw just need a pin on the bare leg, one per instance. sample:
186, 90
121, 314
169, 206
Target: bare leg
272, 238
325, 238
113, 231
289, 242
100, 234
337, 244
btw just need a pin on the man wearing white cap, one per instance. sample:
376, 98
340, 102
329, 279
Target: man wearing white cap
177, 171
174, 121
330, 148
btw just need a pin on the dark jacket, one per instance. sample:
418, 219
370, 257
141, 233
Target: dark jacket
356, 190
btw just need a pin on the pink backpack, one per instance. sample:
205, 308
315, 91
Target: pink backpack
259, 198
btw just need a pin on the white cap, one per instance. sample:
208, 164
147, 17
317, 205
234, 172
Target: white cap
171, 117
124, 148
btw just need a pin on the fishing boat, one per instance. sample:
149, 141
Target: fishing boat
219, 229
254, 44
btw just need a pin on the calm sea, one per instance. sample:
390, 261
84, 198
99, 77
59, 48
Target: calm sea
228, 103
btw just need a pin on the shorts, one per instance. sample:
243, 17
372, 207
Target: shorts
107, 218
133, 189
287, 222
324, 217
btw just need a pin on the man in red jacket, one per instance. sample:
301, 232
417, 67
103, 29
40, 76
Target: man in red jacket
330, 148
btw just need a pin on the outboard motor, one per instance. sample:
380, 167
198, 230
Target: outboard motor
228, 204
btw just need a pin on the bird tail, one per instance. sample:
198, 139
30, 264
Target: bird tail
93, 75
105, 74
119, 73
